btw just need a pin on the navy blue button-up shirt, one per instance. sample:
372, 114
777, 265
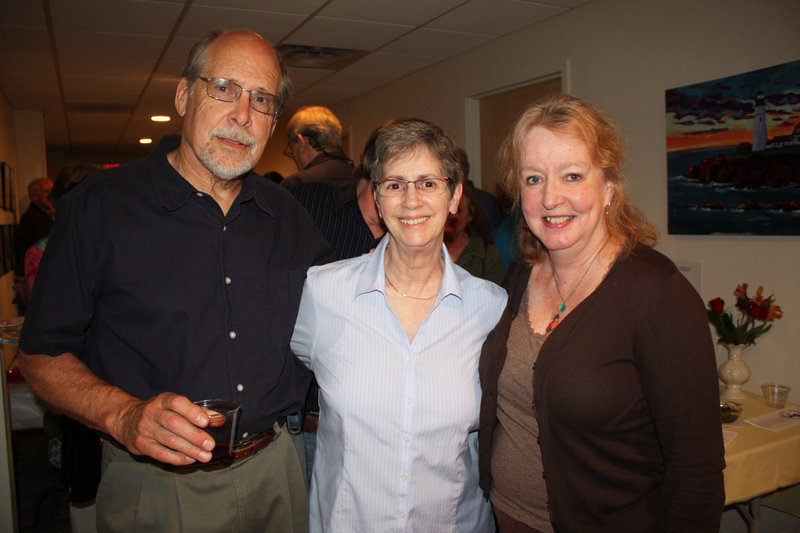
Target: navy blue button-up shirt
155, 289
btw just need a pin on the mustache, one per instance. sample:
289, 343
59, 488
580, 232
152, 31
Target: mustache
236, 134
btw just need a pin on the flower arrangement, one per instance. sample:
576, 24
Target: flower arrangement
751, 310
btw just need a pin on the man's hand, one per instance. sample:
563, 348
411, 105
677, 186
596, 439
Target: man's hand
165, 428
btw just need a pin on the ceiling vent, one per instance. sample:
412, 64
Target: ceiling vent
318, 57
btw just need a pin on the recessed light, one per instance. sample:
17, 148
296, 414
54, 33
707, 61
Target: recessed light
145, 141
160, 118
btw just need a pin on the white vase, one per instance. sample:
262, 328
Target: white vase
734, 372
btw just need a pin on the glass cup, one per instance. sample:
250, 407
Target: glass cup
222, 417
775, 394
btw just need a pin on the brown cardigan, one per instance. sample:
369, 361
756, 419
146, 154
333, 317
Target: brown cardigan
626, 398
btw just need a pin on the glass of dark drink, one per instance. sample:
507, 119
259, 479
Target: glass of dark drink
222, 416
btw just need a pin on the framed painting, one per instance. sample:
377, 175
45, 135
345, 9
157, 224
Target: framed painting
733, 154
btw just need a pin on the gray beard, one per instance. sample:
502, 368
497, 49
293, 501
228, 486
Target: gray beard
215, 165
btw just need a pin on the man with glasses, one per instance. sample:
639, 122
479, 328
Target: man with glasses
177, 279
315, 145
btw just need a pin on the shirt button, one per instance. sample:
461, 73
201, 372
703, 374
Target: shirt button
227, 280
199, 194
404, 477
402, 514
406, 439
240, 387
224, 228
232, 334
408, 400
245, 434
410, 362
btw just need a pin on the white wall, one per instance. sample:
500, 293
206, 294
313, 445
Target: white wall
622, 56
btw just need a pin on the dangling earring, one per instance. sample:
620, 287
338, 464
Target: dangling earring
608, 207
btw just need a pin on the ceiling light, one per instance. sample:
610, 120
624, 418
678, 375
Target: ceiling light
145, 141
160, 118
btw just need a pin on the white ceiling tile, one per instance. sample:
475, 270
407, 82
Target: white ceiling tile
175, 56
92, 45
358, 80
161, 93
349, 34
303, 77
396, 64
82, 124
561, 3
305, 7
39, 91
94, 90
16, 40
154, 18
25, 63
324, 94
495, 17
109, 68
436, 43
28, 14
272, 26
409, 12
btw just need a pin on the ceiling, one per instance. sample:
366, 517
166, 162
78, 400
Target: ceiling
98, 69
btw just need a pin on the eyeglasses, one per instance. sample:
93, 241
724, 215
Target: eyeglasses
428, 186
228, 91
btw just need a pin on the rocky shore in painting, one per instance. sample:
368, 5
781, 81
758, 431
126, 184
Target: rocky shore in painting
753, 170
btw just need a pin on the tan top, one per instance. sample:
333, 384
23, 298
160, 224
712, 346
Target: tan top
518, 486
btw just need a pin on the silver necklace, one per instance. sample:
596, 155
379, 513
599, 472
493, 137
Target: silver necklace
563, 306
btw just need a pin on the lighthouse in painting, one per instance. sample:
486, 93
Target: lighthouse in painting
759, 125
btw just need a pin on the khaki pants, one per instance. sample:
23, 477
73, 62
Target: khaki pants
264, 493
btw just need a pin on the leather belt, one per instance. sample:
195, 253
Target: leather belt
241, 450
251, 446
310, 422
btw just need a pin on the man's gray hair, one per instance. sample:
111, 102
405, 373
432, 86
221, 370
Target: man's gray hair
319, 125
197, 61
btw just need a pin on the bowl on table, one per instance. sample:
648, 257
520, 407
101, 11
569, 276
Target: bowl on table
729, 411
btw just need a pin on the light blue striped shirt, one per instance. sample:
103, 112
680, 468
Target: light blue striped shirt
397, 439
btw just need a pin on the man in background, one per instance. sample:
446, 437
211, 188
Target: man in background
315, 145
36, 221
177, 279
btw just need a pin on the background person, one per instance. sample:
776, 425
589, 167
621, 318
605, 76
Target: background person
37, 220
468, 242
80, 446
609, 340
315, 145
393, 338
177, 278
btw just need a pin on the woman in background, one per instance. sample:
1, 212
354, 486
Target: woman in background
393, 338
467, 239
609, 343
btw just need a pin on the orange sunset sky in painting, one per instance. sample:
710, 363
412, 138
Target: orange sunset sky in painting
711, 139
721, 112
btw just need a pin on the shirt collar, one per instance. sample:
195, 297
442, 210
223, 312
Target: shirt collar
174, 190
374, 278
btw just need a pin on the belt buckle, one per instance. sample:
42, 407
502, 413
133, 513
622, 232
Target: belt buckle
294, 423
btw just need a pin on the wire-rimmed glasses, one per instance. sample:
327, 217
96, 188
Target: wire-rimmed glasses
229, 91
427, 186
